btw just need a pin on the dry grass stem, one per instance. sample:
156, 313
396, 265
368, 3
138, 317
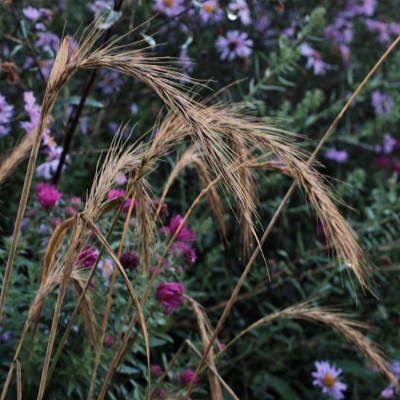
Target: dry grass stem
338, 322
205, 328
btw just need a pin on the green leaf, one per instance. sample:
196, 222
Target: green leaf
75, 100
285, 391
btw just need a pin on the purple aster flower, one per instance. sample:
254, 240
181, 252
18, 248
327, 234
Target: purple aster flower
340, 156
313, 59
394, 28
108, 341
382, 103
169, 7
380, 28
185, 64
211, 12
161, 394
109, 81
155, 204
235, 44
170, 294
185, 234
47, 195
388, 143
387, 393
394, 367
241, 9
341, 31
328, 379
98, 5
367, 7
106, 267
50, 166
48, 41
31, 13
6, 112
187, 377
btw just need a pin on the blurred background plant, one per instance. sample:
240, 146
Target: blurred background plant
297, 62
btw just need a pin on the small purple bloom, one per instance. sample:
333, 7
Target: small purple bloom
240, 8
161, 394
114, 193
170, 294
187, 377
48, 41
47, 195
211, 12
98, 5
314, 59
110, 81
235, 44
340, 156
382, 103
6, 112
169, 7
387, 393
31, 13
328, 378
185, 234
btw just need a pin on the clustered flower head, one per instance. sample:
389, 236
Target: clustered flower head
187, 376
234, 44
328, 378
87, 258
184, 250
184, 234
170, 294
47, 195
115, 193
129, 260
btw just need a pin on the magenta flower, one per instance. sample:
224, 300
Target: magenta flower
129, 260
184, 250
87, 258
169, 7
156, 370
47, 195
211, 12
161, 394
114, 193
108, 341
155, 204
170, 294
313, 59
185, 234
235, 44
187, 377
328, 379
340, 156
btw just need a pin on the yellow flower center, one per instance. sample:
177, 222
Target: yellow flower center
208, 8
328, 381
168, 3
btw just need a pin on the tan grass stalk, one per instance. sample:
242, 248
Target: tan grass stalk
132, 293
276, 216
7, 382
67, 270
19, 381
58, 77
204, 329
109, 299
192, 157
16, 156
338, 322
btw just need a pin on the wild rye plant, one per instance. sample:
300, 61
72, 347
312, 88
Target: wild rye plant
225, 146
